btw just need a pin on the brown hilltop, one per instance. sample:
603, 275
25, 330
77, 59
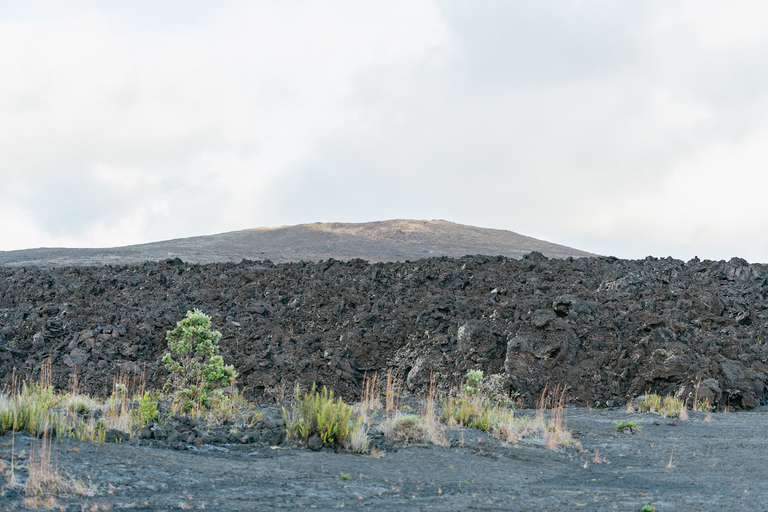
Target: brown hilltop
391, 240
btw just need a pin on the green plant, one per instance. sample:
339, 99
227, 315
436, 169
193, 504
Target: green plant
667, 407
317, 412
344, 476
474, 382
146, 411
495, 390
194, 361
648, 508
631, 426
229, 408
703, 405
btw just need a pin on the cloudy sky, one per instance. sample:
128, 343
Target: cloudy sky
624, 128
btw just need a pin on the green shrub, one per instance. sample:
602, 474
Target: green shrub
317, 412
194, 361
495, 390
146, 411
474, 381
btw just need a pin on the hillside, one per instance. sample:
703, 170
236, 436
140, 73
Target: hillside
385, 241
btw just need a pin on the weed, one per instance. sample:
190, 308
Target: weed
703, 405
392, 390
44, 480
228, 407
667, 407
648, 508
495, 390
358, 440
344, 476
318, 412
627, 426
146, 411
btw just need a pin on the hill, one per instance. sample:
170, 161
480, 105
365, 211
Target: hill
385, 241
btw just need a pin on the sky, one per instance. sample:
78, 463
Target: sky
624, 128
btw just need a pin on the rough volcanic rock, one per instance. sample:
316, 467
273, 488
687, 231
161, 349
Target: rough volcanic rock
606, 329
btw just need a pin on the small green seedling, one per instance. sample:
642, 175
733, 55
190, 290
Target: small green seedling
344, 476
648, 508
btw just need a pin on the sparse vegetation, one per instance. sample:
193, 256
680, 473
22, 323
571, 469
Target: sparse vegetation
44, 481
474, 381
317, 412
667, 407
483, 410
627, 426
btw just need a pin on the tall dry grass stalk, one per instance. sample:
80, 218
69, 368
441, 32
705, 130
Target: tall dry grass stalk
116, 410
556, 433
392, 389
435, 430
73, 382
371, 396
46, 371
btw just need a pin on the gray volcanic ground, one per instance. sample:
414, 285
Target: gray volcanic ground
392, 240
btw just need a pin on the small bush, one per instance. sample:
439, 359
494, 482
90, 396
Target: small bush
358, 440
495, 390
627, 426
146, 412
474, 382
407, 429
194, 361
667, 407
318, 412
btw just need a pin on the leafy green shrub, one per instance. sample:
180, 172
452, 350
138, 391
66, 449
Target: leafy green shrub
319, 413
195, 366
474, 381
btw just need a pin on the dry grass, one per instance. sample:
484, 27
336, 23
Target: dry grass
405, 429
358, 441
371, 396
429, 419
417, 428
44, 480
393, 388
512, 429
556, 434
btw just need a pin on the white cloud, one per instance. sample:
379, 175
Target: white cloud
624, 128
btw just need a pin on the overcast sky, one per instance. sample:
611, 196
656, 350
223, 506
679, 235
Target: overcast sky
622, 128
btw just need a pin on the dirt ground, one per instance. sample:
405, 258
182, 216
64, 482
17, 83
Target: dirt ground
715, 463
